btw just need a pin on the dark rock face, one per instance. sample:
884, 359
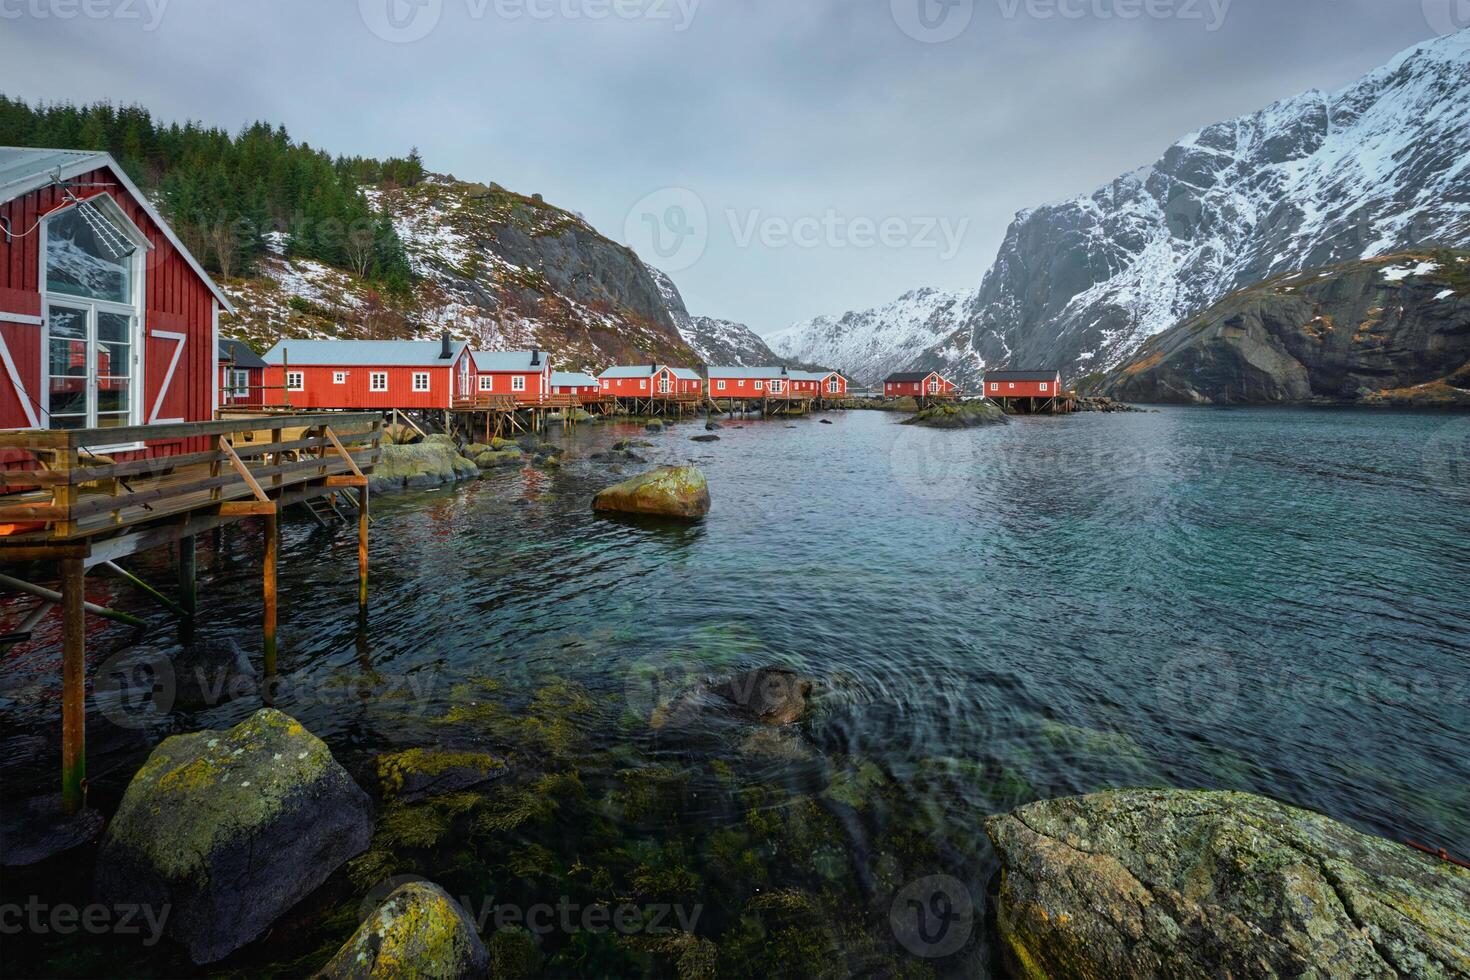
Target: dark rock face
1186, 884
771, 695
213, 672
1381, 331
34, 830
229, 829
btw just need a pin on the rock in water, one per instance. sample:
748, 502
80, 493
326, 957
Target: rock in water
496, 458
434, 462
1188, 884
228, 830
708, 438
670, 491
418, 932
959, 415
213, 672
420, 773
773, 695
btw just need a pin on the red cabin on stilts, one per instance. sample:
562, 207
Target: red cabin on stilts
367, 374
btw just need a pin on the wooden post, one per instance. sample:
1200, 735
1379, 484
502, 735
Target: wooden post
73, 685
272, 545
362, 550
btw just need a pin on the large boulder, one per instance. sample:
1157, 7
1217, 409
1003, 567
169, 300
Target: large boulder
959, 415
228, 830
497, 459
771, 695
670, 491
1193, 884
419, 931
435, 462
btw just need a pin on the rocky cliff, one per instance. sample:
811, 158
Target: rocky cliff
1394, 330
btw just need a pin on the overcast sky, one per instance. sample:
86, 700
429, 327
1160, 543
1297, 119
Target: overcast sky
785, 158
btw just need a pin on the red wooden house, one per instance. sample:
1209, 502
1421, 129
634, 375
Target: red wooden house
582, 385
106, 320
1023, 384
819, 384
752, 383
367, 374
241, 375
650, 381
524, 374
918, 384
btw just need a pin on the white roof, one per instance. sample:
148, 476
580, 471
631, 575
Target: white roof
759, 373
363, 353
505, 361
568, 379
24, 169
686, 374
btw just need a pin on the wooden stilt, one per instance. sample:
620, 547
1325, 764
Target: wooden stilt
73, 685
272, 545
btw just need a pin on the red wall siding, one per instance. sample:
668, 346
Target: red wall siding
502, 383
320, 391
175, 300
1022, 389
742, 387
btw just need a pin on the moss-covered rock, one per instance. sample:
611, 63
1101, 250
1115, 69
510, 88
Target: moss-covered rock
418, 932
496, 459
771, 695
1192, 884
231, 829
435, 462
670, 491
959, 415
419, 773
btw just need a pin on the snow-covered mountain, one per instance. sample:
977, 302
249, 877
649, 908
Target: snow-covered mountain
721, 342
867, 345
1380, 167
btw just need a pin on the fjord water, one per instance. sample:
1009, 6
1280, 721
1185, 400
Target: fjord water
1275, 601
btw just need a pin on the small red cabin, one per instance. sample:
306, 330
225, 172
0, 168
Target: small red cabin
918, 384
753, 383
241, 375
581, 385
106, 320
818, 384
649, 381
367, 374
1023, 384
524, 374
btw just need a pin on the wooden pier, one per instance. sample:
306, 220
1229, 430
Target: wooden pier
499, 416
73, 510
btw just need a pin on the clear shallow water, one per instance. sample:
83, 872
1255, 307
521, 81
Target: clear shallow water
1267, 600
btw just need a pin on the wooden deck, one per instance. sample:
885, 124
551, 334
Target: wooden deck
64, 505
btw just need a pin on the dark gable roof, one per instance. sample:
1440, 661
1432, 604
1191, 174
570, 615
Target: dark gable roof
908, 377
1022, 375
240, 353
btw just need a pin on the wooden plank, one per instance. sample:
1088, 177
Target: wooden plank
248, 508
347, 481
240, 468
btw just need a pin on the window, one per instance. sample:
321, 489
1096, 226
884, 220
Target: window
720, 385
834, 386
378, 381
518, 383
663, 384
934, 387
339, 377
295, 381
643, 384
1011, 384
1045, 386
995, 386
239, 384
421, 381
487, 382
606, 384
760, 386
91, 330
776, 387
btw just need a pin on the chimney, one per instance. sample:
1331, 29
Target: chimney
655, 368
445, 353
535, 358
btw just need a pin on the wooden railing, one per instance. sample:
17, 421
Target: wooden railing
59, 488
509, 403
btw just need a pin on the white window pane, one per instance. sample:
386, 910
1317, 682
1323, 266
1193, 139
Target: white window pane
90, 258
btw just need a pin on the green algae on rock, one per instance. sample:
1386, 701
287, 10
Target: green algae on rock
670, 491
418, 773
959, 415
435, 462
1179, 883
418, 932
231, 829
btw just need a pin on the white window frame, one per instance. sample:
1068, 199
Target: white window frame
606, 384
518, 382
834, 387
1011, 385
137, 334
487, 382
378, 382
295, 380
719, 385
760, 386
777, 387
1045, 386
995, 386
642, 384
665, 384
422, 382
339, 377
239, 383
